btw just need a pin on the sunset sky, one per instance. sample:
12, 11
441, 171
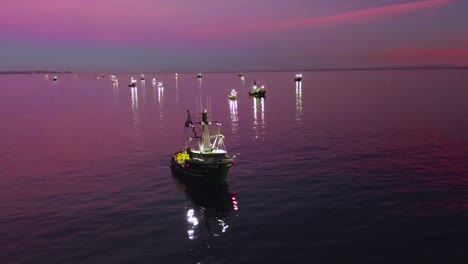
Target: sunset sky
215, 35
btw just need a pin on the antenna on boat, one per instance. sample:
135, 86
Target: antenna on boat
189, 123
201, 105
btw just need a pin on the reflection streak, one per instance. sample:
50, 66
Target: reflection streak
234, 116
298, 101
136, 116
161, 106
258, 106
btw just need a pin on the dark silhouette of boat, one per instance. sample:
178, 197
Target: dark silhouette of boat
133, 83
298, 77
257, 90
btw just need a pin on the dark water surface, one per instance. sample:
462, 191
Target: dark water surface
352, 167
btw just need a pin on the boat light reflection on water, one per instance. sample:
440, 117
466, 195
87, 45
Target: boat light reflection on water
193, 223
208, 220
208, 209
234, 116
160, 96
135, 114
177, 88
258, 106
298, 101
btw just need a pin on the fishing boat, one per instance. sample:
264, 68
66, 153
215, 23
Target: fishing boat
232, 95
257, 90
114, 79
133, 83
142, 77
160, 84
55, 78
209, 161
154, 80
298, 77
199, 76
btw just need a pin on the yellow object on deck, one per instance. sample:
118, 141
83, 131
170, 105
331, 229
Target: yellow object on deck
181, 157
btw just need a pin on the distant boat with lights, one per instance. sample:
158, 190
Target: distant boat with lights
199, 76
154, 80
133, 83
55, 78
232, 95
298, 77
257, 90
209, 161
114, 79
142, 77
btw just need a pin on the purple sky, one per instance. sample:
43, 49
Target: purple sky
210, 35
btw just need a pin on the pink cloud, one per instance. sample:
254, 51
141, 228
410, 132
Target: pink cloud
413, 55
346, 17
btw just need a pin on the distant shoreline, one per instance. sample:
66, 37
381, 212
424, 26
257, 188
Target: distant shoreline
34, 72
265, 70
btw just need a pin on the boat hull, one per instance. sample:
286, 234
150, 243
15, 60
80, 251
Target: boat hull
257, 93
214, 172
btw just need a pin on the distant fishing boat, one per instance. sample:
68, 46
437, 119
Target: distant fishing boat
142, 77
133, 83
209, 162
199, 76
298, 77
55, 78
114, 79
160, 84
257, 90
154, 80
232, 95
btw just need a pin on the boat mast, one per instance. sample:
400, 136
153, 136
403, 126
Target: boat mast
205, 144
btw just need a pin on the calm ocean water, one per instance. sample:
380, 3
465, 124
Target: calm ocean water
350, 167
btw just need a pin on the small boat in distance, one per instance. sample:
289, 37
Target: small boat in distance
199, 76
298, 77
210, 163
232, 95
257, 90
160, 84
240, 75
154, 80
142, 77
55, 78
133, 83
